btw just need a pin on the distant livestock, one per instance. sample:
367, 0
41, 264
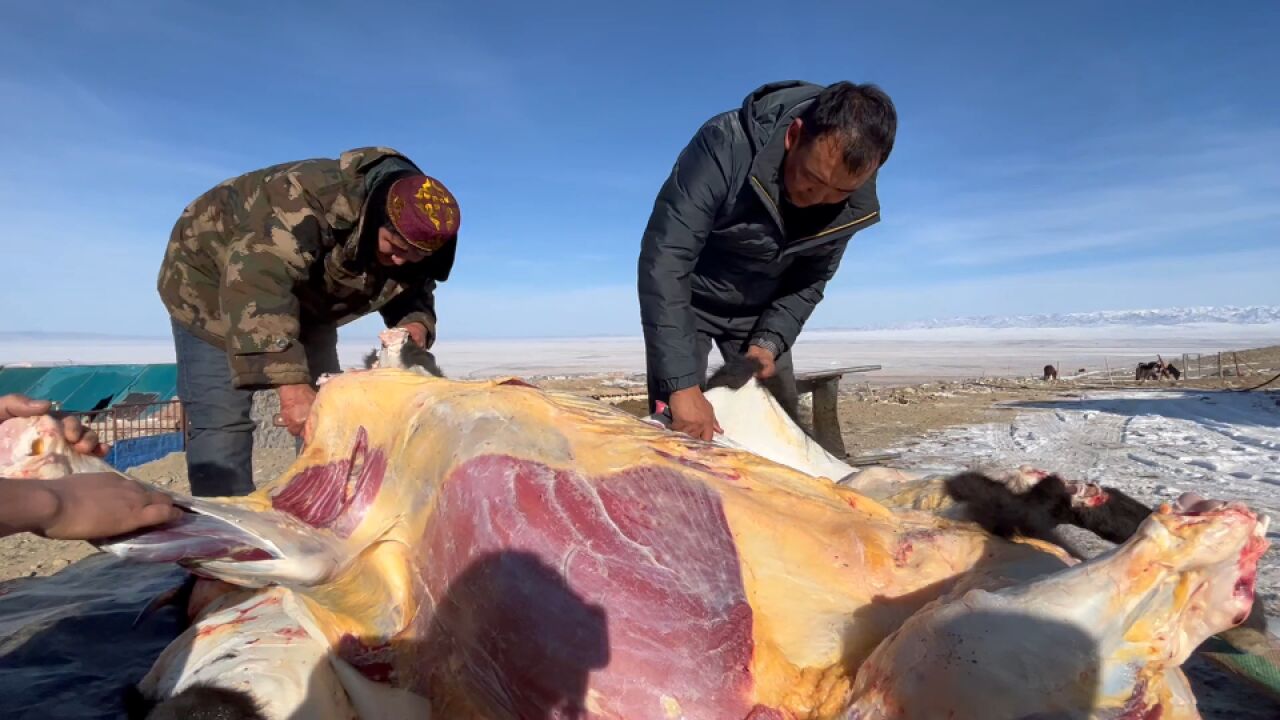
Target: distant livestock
1156, 370
1147, 371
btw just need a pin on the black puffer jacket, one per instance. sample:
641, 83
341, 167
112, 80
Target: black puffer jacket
716, 239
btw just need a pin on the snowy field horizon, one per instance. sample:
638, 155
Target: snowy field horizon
950, 350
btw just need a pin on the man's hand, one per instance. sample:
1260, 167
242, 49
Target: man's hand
93, 506
418, 332
295, 406
15, 405
81, 439
766, 360
692, 414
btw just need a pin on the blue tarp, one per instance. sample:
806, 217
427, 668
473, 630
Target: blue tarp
137, 451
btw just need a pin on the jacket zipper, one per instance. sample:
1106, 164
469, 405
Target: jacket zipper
845, 226
799, 244
777, 214
812, 240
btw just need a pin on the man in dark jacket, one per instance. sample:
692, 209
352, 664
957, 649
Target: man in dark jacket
749, 228
260, 272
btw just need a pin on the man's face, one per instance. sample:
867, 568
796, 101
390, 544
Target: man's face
814, 173
394, 250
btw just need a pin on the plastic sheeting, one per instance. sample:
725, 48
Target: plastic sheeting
137, 451
20, 379
80, 388
160, 382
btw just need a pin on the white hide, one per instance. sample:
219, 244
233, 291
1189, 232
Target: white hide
254, 644
753, 421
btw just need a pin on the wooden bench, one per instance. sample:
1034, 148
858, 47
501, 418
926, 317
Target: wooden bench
825, 386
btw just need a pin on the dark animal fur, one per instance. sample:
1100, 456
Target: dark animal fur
1004, 513
1050, 372
1038, 512
1147, 371
1115, 520
739, 369
198, 702
413, 355
1156, 371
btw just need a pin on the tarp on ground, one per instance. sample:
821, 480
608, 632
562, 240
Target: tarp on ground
20, 379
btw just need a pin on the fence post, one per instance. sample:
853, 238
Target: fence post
1236, 358
1219, 366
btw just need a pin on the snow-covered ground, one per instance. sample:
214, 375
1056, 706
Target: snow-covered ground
1154, 445
904, 354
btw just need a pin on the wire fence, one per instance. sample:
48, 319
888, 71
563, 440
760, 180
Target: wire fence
126, 421
1191, 366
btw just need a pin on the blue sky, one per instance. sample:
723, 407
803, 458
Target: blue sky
1050, 157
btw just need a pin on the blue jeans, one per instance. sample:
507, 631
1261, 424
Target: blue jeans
219, 427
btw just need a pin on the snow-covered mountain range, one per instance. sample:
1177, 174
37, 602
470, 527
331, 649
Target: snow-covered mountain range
1251, 315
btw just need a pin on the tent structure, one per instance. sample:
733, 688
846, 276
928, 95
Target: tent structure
86, 388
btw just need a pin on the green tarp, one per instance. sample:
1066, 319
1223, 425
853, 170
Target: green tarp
20, 379
158, 380
1251, 653
60, 383
98, 392
80, 388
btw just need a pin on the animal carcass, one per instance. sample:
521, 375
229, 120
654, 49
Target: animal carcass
1110, 633
491, 550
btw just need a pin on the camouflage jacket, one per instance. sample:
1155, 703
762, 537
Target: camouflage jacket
259, 257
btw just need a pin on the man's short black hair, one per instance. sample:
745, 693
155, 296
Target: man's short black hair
862, 116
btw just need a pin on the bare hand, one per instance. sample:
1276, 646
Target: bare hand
418, 332
766, 360
15, 405
81, 439
92, 506
693, 415
295, 406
